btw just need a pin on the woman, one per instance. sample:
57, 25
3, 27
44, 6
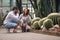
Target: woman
25, 19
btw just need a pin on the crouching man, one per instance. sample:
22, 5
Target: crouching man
12, 20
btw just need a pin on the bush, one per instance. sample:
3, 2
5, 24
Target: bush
48, 23
1, 22
35, 25
35, 19
40, 23
54, 17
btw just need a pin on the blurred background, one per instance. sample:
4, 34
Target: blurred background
38, 8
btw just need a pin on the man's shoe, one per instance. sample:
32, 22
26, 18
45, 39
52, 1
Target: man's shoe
14, 31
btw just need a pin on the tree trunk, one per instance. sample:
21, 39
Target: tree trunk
19, 5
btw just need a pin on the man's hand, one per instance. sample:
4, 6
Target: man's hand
18, 22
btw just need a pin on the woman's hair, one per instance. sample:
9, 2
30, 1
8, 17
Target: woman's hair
27, 11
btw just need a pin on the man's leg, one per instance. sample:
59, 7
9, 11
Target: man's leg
11, 25
15, 28
8, 30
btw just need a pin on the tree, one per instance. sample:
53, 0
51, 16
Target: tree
43, 7
19, 5
34, 4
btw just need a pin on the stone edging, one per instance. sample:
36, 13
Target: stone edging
46, 32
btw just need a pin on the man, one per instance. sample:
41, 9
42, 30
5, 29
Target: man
12, 20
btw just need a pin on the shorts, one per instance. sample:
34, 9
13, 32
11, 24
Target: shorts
10, 24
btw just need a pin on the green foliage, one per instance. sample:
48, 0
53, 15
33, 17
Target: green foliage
1, 21
41, 21
35, 19
54, 17
35, 25
42, 7
48, 23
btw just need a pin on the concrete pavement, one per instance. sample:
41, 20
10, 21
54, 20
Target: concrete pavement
25, 36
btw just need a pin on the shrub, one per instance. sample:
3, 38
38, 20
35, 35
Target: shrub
35, 25
1, 22
54, 17
48, 23
40, 23
35, 19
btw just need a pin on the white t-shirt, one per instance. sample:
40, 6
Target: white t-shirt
11, 16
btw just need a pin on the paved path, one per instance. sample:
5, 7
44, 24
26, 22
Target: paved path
25, 36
